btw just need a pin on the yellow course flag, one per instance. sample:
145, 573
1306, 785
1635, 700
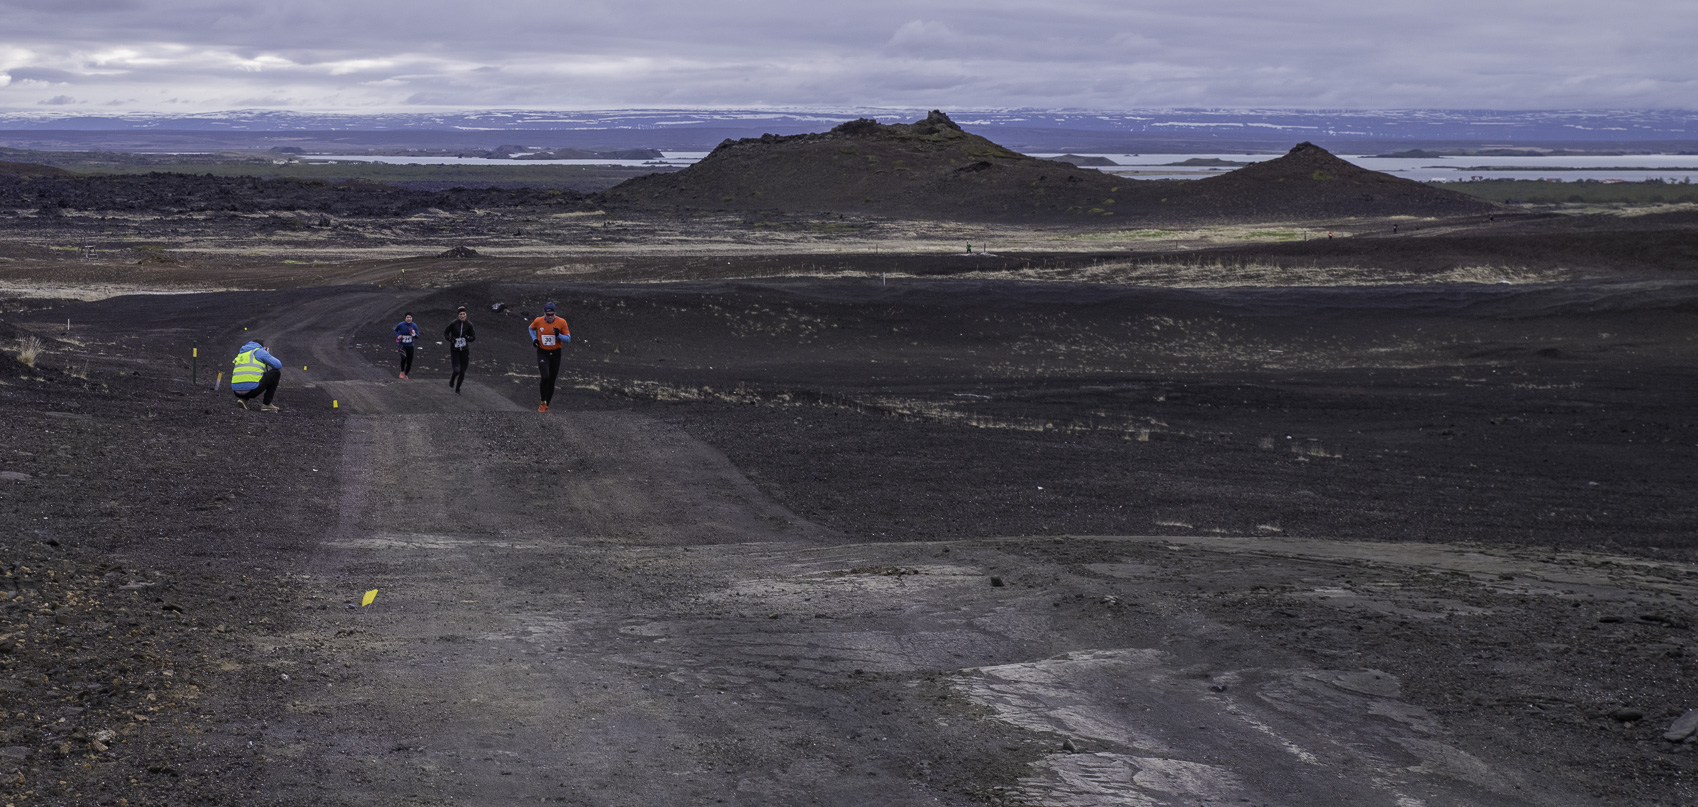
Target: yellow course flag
370, 595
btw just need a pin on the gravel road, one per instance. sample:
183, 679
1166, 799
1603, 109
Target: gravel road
592, 607
612, 604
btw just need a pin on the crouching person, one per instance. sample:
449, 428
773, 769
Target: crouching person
255, 374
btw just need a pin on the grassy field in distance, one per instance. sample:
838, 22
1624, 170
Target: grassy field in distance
1536, 192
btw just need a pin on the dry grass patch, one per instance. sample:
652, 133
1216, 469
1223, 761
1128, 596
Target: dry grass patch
1201, 273
28, 350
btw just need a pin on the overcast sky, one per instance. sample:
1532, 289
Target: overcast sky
104, 56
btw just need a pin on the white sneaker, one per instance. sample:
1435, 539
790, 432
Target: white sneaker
270, 408
242, 402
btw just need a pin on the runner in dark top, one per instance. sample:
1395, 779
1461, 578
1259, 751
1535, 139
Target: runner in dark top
459, 335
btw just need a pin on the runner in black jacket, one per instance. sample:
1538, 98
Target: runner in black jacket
459, 335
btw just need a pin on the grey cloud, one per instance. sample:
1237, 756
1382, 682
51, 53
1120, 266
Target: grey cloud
59, 100
44, 74
266, 101
1073, 53
70, 6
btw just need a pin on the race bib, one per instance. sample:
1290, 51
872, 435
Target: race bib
406, 340
460, 344
548, 339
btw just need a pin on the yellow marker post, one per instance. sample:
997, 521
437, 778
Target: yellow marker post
370, 595
335, 404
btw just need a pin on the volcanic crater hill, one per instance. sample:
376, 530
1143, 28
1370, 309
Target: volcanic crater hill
929, 169
1310, 183
932, 169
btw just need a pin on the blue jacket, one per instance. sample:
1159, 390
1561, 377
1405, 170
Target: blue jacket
405, 328
261, 354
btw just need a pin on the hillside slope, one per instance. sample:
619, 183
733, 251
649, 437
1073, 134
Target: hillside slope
1310, 183
16, 169
927, 169
932, 169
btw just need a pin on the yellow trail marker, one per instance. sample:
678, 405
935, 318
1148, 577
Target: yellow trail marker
303, 367
334, 404
370, 595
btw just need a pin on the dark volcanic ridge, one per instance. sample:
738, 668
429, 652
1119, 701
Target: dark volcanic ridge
929, 169
53, 190
1309, 182
17, 169
933, 169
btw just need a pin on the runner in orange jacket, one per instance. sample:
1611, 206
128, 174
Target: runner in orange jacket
547, 333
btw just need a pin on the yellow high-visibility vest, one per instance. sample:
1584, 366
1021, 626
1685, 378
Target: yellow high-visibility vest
247, 370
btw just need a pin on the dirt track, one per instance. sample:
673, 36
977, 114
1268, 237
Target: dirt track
595, 608
1010, 529
599, 607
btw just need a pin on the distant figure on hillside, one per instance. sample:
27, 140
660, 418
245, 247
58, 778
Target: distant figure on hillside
405, 333
547, 332
459, 335
256, 372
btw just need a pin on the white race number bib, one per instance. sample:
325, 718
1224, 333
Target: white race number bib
460, 344
406, 340
548, 340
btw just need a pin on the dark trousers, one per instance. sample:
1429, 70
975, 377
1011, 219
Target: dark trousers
548, 364
406, 357
458, 361
267, 386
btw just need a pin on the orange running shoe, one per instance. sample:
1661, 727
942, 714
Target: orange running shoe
403, 376
542, 407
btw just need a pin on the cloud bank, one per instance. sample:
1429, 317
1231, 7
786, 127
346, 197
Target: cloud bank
371, 55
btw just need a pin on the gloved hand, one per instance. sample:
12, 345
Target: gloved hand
537, 343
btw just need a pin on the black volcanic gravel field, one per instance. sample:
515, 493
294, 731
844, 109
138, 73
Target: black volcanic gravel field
1543, 416
1534, 419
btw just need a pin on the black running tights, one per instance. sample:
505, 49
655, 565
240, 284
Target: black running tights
548, 364
458, 361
